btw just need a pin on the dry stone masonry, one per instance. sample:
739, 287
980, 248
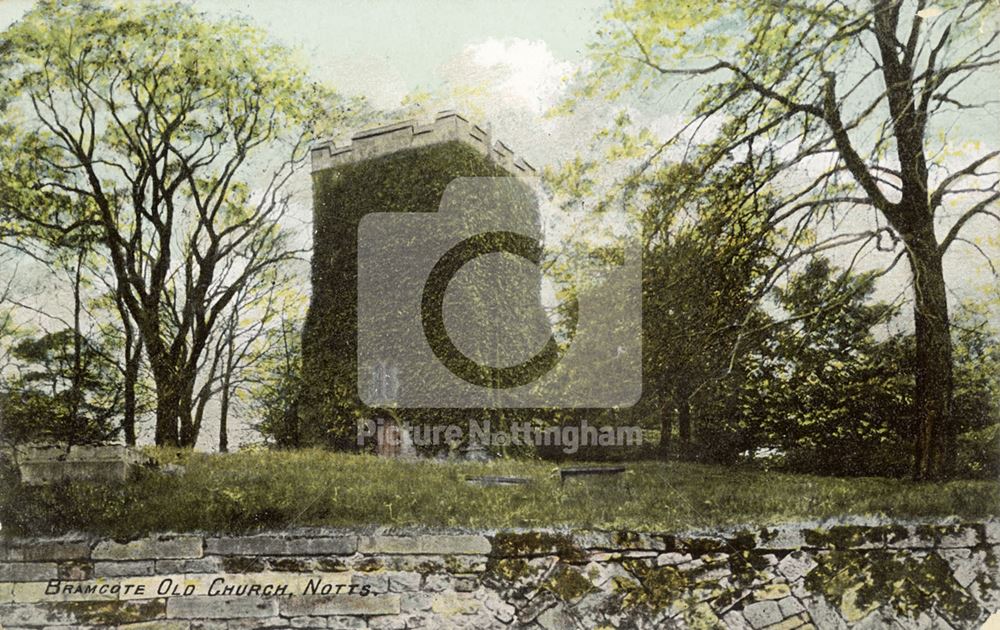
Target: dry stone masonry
940, 575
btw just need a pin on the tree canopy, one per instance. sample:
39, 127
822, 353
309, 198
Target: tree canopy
847, 113
177, 136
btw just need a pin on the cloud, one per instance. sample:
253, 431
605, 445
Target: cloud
516, 74
509, 83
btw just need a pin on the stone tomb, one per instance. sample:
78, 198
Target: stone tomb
49, 463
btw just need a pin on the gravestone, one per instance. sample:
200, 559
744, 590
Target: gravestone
392, 440
49, 463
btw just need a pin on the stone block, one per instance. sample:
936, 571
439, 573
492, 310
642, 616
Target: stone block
377, 582
387, 623
783, 538
456, 544
791, 623
35, 615
733, 620
790, 606
556, 618
403, 581
205, 607
966, 565
343, 622
796, 565
449, 604
466, 584
82, 614
761, 614
421, 563
272, 545
437, 583
539, 604
28, 571
190, 565
44, 550
823, 614
28, 592
415, 602
600, 574
992, 531
962, 536
604, 556
773, 591
123, 569
909, 537
257, 623
153, 548
340, 605
291, 563
159, 624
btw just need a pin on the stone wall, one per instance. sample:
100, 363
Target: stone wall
839, 576
447, 126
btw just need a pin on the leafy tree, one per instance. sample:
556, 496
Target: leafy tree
181, 134
274, 385
704, 268
977, 388
849, 108
826, 390
66, 390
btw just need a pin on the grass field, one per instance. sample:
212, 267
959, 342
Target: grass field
260, 490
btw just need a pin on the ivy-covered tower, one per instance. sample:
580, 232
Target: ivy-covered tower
403, 167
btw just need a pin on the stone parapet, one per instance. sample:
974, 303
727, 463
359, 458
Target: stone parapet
447, 127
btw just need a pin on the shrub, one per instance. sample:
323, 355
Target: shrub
979, 452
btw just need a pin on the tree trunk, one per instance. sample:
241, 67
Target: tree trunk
133, 354
167, 399
185, 412
684, 420
934, 443
666, 428
77, 428
224, 417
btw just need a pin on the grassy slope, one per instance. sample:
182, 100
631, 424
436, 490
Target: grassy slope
246, 491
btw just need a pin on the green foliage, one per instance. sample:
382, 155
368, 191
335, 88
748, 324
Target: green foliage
271, 489
825, 390
707, 263
52, 400
174, 134
832, 391
406, 181
817, 101
273, 398
979, 452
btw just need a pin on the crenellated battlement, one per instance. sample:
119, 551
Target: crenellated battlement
448, 126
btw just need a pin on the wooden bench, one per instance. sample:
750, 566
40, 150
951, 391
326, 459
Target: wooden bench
578, 471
